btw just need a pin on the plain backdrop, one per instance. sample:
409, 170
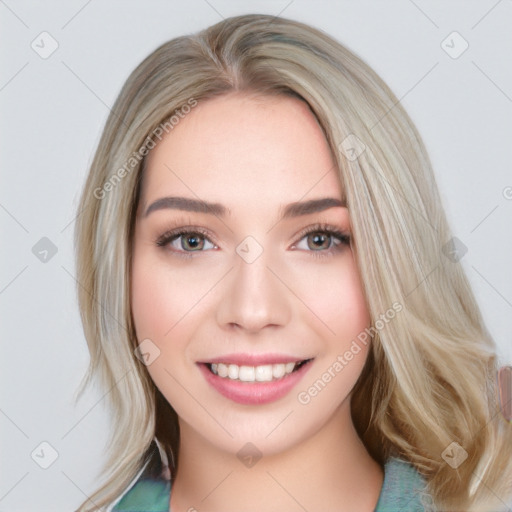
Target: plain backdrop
54, 107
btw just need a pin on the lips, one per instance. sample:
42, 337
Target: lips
254, 379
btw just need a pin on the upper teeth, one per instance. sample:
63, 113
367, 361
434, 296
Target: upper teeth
264, 373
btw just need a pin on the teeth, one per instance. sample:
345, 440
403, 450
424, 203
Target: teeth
278, 371
246, 373
233, 371
221, 370
263, 373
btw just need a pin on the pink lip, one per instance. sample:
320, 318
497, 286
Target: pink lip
254, 393
255, 359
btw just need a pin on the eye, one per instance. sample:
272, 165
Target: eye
323, 239
186, 240
320, 240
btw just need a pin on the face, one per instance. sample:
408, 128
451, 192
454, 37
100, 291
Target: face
244, 285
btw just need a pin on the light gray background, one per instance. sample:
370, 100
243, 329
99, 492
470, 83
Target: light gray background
53, 110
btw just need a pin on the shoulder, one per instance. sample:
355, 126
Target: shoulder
403, 488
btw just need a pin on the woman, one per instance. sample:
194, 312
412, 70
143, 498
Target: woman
267, 292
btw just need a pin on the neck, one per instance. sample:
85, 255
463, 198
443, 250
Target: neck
330, 470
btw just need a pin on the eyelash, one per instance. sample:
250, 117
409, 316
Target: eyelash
325, 229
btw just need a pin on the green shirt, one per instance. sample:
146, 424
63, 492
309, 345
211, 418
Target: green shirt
401, 491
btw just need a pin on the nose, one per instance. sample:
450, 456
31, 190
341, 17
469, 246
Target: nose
253, 297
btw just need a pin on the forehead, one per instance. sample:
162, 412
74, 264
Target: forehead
239, 150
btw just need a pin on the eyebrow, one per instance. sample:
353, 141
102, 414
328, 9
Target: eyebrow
195, 205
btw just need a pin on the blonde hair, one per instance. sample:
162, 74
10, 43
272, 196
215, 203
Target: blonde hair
429, 380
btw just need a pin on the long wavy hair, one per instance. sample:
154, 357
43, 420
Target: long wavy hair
430, 377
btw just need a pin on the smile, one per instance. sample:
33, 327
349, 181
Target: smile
254, 380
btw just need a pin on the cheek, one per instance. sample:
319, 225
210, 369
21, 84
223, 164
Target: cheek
162, 297
334, 295
165, 310
152, 305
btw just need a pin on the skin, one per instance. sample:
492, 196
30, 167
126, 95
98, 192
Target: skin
254, 155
